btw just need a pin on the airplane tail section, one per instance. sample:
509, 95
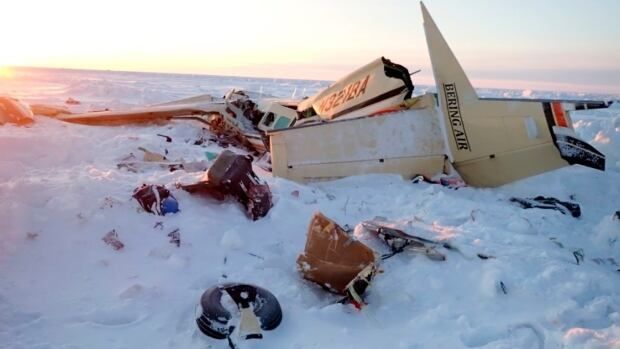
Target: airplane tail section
454, 91
572, 149
446, 67
492, 142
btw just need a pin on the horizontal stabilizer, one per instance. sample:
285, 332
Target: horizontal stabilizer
576, 151
569, 103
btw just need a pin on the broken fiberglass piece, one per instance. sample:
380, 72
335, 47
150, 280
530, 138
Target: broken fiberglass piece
334, 259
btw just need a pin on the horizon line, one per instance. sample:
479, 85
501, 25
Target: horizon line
487, 82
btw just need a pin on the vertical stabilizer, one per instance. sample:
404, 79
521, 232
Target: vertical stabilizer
453, 90
446, 67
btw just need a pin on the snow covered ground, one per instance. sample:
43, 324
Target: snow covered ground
61, 286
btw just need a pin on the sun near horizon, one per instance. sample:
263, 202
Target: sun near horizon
5, 72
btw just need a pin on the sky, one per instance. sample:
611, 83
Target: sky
526, 44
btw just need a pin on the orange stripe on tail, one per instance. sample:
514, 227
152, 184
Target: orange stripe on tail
558, 113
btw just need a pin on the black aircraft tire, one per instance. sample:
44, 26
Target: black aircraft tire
214, 317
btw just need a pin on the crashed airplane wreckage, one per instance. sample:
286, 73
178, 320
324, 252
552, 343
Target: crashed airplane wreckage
489, 142
367, 122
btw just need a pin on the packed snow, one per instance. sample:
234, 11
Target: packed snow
552, 280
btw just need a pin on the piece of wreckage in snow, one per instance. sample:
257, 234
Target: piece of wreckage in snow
12, 111
367, 122
336, 261
231, 175
231, 118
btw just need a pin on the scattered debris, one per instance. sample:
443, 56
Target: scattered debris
336, 261
605, 261
175, 237
32, 236
232, 134
131, 156
348, 229
151, 156
255, 255
502, 287
140, 166
168, 138
202, 138
295, 193
111, 238
549, 203
453, 182
232, 174
579, 255
264, 162
221, 141
159, 225
399, 241
472, 215
617, 216
211, 155
397, 237
156, 199
557, 242
252, 309
109, 202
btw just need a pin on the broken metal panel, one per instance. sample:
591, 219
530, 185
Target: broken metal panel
405, 143
332, 258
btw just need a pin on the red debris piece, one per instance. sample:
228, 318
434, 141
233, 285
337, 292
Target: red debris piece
111, 238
